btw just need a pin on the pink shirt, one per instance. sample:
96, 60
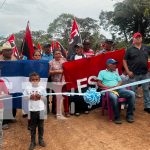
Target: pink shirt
57, 65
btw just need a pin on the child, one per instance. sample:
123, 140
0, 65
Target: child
36, 94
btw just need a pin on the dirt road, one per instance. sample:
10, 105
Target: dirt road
87, 132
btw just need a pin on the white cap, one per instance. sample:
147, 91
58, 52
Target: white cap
6, 46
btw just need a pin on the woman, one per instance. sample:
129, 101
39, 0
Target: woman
56, 73
37, 55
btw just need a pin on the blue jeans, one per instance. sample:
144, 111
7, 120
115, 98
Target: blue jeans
145, 88
123, 93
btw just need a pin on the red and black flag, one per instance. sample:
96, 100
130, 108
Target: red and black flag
27, 45
59, 46
75, 37
11, 40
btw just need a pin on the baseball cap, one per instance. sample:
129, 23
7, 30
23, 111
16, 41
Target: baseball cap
137, 34
78, 45
111, 61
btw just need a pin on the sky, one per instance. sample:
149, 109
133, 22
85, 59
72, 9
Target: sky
14, 14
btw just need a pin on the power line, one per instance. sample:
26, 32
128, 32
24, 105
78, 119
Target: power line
2, 4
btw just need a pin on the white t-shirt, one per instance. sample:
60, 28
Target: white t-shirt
35, 105
78, 57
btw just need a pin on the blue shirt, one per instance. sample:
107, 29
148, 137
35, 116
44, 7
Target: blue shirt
47, 57
109, 78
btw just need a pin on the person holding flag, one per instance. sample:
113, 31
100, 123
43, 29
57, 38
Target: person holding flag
75, 38
11, 40
7, 52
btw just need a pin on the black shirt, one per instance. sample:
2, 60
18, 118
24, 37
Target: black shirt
137, 59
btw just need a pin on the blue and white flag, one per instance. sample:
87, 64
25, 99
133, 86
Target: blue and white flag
15, 74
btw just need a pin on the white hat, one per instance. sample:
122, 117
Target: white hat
6, 46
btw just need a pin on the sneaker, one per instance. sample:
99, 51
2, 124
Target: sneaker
86, 112
77, 114
32, 146
61, 117
147, 110
5, 127
42, 143
118, 121
67, 115
25, 115
130, 119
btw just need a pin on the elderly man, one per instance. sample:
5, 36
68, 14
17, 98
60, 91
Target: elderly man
110, 78
7, 52
136, 65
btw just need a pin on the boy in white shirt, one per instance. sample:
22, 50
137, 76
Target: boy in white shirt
36, 94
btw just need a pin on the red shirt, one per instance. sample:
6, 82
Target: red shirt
3, 90
89, 53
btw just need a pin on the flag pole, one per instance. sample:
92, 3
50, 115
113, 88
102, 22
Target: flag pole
24, 39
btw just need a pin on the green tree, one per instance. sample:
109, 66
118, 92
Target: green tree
128, 17
62, 26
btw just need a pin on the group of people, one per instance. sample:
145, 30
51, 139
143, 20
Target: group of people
135, 63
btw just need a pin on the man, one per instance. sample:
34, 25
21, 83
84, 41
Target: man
107, 46
110, 78
7, 52
78, 52
86, 49
136, 65
47, 54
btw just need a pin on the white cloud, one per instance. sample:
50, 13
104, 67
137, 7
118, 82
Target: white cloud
15, 13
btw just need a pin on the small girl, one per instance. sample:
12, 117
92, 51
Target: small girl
36, 95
